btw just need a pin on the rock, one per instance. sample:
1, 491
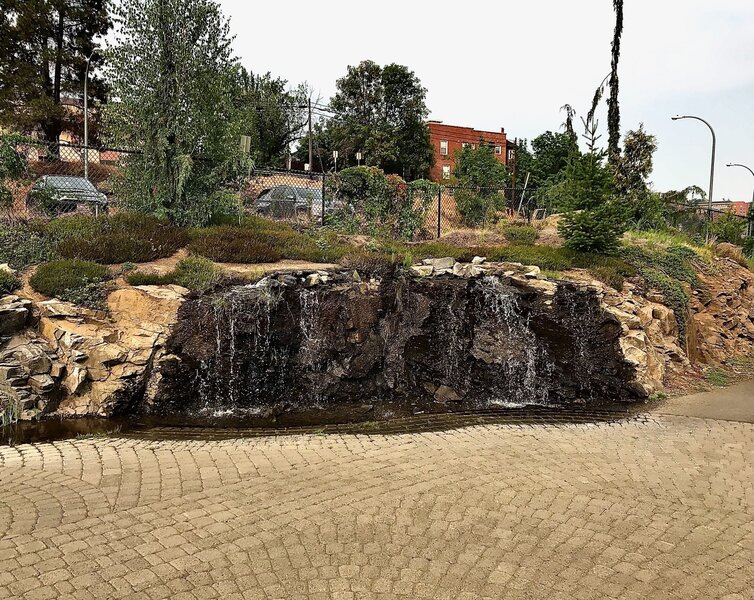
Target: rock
467, 270
41, 383
56, 309
422, 270
313, 279
12, 319
440, 263
5, 267
75, 379
478, 260
444, 394
33, 359
532, 271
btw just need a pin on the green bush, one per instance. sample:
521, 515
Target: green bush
373, 203
522, 234
60, 277
24, 245
479, 208
197, 273
8, 282
125, 237
142, 278
729, 228
233, 244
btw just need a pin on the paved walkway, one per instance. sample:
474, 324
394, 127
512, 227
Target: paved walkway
647, 509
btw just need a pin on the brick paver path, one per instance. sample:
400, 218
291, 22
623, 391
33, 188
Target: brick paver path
647, 509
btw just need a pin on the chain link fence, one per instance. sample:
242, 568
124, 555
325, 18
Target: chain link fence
62, 179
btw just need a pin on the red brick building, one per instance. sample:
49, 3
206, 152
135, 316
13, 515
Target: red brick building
449, 139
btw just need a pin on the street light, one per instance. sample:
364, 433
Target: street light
745, 167
86, 117
712, 163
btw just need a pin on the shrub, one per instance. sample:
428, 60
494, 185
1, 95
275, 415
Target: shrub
522, 234
125, 237
233, 244
367, 201
197, 273
728, 228
142, 278
8, 282
23, 245
61, 277
372, 261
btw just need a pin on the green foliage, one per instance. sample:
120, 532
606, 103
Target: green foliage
593, 219
372, 203
270, 114
728, 228
381, 112
23, 245
12, 166
518, 233
197, 273
8, 282
174, 75
481, 176
748, 247
124, 237
150, 278
43, 51
233, 244
68, 278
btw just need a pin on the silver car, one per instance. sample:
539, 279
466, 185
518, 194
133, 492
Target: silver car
56, 194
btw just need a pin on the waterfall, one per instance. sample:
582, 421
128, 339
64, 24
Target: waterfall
526, 370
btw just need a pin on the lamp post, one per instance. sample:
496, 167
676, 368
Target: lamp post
749, 224
712, 164
86, 117
744, 167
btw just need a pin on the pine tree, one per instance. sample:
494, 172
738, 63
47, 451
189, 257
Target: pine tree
44, 45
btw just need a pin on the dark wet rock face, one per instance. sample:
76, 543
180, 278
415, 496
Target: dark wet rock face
427, 342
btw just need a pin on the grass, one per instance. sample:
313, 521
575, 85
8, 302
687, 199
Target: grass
72, 280
519, 233
717, 376
233, 245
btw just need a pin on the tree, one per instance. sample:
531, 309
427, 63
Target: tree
44, 45
481, 178
272, 115
381, 112
593, 219
613, 109
633, 167
173, 74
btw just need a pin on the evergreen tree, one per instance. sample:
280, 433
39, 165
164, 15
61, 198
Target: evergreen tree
44, 45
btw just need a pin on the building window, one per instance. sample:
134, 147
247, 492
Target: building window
498, 149
466, 144
446, 171
511, 154
444, 147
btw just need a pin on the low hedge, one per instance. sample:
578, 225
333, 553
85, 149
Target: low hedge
233, 244
125, 237
59, 278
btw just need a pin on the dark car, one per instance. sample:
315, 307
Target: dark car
289, 201
56, 194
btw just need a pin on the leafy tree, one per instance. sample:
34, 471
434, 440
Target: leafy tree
631, 171
44, 45
271, 114
173, 73
12, 166
481, 177
729, 227
381, 112
593, 219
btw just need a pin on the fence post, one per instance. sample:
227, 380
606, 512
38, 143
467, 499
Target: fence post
439, 211
322, 216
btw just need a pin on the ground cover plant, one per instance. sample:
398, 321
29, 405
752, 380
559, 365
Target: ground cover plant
193, 272
22, 245
9, 282
78, 281
124, 237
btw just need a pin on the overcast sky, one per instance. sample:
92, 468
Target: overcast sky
513, 65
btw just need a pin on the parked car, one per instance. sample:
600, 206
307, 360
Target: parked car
56, 194
289, 201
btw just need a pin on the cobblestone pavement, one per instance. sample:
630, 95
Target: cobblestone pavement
658, 507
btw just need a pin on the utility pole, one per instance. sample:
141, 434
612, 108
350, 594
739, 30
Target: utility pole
86, 118
311, 153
